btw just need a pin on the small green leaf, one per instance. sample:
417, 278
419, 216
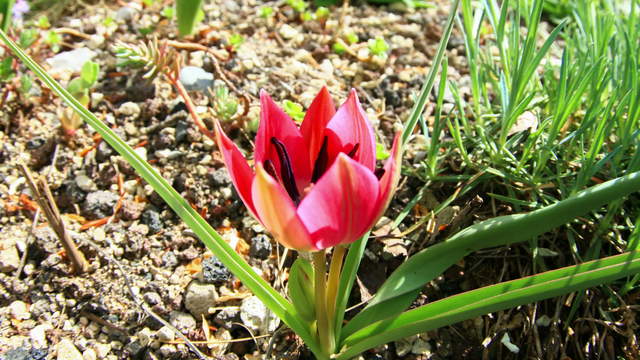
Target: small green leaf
89, 73
301, 289
378, 47
76, 87
26, 83
306, 16
236, 40
266, 12
187, 14
53, 39
351, 38
294, 110
169, 12
43, 22
381, 152
322, 13
27, 37
6, 69
339, 48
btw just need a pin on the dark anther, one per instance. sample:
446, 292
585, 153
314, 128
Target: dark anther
353, 151
320, 166
286, 171
379, 172
270, 169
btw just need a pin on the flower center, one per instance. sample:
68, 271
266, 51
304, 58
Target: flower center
286, 170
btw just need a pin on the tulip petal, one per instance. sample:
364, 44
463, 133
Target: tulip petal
341, 206
389, 179
276, 123
349, 126
237, 166
278, 213
315, 121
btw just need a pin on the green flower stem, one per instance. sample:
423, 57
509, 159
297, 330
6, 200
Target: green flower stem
334, 280
325, 332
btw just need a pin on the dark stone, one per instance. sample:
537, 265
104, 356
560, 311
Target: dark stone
392, 98
182, 128
260, 247
219, 177
214, 271
99, 204
135, 350
103, 151
35, 143
152, 219
23, 354
71, 194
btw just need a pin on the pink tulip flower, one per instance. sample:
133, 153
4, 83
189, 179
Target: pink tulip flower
316, 186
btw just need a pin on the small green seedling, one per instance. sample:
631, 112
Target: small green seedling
224, 104
53, 39
322, 13
378, 47
169, 12
381, 152
235, 41
266, 12
339, 48
6, 69
27, 37
294, 110
79, 87
352, 38
43, 22
297, 5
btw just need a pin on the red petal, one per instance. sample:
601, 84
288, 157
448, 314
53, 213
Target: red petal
389, 179
315, 121
349, 126
276, 123
340, 208
278, 213
239, 171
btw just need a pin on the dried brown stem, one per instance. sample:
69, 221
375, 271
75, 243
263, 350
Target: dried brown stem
47, 204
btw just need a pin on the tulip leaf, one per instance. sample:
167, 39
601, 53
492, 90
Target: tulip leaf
212, 240
489, 299
187, 12
403, 284
301, 289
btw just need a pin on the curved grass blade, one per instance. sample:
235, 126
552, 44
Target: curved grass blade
214, 242
432, 261
186, 13
491, 299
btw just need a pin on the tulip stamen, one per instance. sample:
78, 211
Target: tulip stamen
353, 151
320, 165
379, 172
286, 171
270, 169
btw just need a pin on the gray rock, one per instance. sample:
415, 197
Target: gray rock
256, 316
165, 334
182, 321
129, 109
152, 298
125, 14
227, 316
260, 247
169, 260
151, 218
85, 183
70, 61
199, 297
100, 204
67, 351
214, 271
38, 335
196, 79
220, 177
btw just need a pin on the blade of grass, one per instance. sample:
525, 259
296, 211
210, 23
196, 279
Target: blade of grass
214, 242
491, 299
430, 262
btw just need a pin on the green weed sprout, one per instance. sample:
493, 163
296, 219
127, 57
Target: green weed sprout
266, 12
79, 88
378, 47
224, 104
294, 110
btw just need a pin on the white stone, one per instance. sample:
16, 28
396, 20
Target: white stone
38, 335
89, 354
9, 258
166, 334
257, 316
70, 61
19, 310
288, 32
85, 183
196, 79
67, 351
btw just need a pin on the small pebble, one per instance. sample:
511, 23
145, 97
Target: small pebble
67, 351
214, 271
260, 247
151, 218
129, 109
166, 334
199, 297
182, 321
99, 204
19, 310
196, 79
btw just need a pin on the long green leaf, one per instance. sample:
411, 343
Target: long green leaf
214, 242
490, 299
187, 12
418, 108
432, 261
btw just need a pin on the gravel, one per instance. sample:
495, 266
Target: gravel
214, 271
99, 204
260, 247
199, 297
151, 218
